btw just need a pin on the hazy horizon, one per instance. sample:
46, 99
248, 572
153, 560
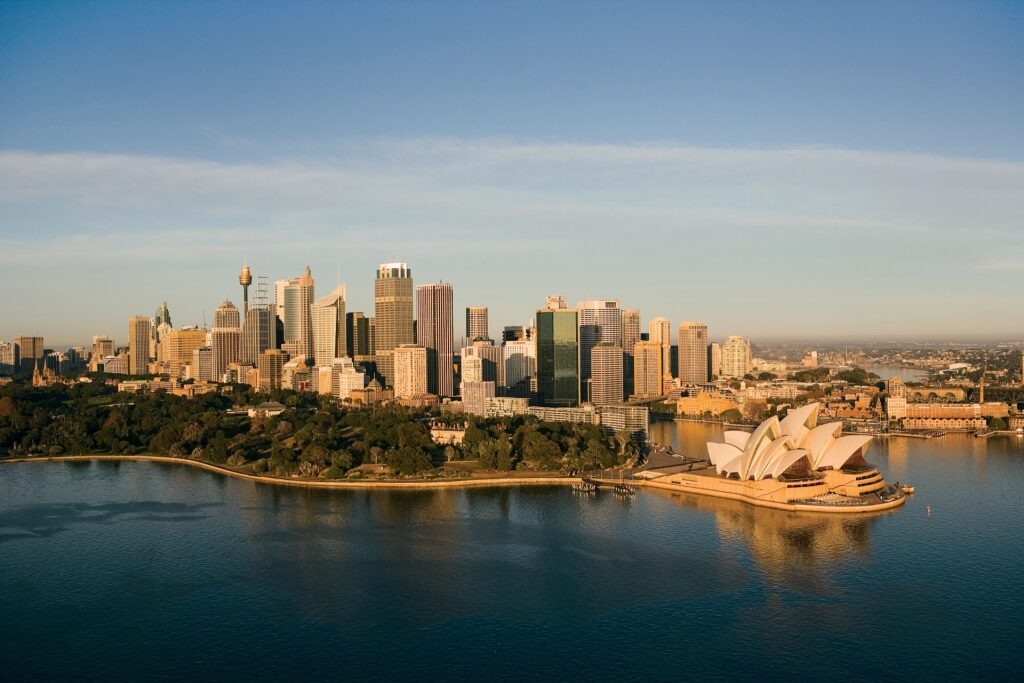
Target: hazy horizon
782, 172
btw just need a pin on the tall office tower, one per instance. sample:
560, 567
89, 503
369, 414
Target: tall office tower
371, 336
735, 357
30, 352
558, 357
102, 346
673, 361
357, 335
693, 352
269, 369
178, 347
298, 322
630, 336
714, 360
245, 279
435, 330
660, 330
476, 324
410, 371
138, 345
392, 298
329, 334
517, 333
600, 321
606, 374
201, 365
648, 372
226, 344
554, 302
226, 315
520, 358
279, 287
8, 358
163, 315
492, 358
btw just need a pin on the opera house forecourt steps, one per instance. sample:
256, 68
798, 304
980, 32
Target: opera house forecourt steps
792, 464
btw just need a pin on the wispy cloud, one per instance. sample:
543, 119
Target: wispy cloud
645, 214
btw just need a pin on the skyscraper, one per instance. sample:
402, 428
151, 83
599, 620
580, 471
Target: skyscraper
29, 351
163, 315
138, 345
392, 296
735, 357
648, 372
357, 335
660, 330
8, 358
226, 344
259, 332
520, 357
177, 347
330, 340
693, 352
630, 336
298, 323
606, 374
410, 371
435, 332
558, 378
600, 321
492, 359
476, 324
226, 315
102, 346
714, 360
269, 369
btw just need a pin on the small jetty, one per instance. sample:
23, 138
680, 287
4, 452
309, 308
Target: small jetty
584, 487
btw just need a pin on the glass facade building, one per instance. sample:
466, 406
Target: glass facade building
558, 358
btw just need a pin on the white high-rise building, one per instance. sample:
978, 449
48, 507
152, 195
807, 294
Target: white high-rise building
476, 324
298, 324
735, 357
714, 360
520, 358
606, 374
648, 376
693, 352
328, 320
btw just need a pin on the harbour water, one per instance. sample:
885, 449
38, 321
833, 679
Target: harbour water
142, 571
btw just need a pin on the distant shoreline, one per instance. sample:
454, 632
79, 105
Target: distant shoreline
411, 484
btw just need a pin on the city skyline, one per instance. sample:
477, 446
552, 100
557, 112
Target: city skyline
873, 165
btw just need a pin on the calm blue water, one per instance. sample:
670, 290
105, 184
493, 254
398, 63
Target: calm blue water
146, 571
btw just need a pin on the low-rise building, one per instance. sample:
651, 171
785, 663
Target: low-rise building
703, 403
505, 406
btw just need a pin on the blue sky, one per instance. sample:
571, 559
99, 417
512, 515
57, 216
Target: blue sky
776, 169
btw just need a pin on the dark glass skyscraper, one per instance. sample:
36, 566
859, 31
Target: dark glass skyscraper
558, 357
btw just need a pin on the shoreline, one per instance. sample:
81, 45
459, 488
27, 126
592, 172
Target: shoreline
560, 480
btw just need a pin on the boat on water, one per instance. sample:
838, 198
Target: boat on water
584, 487
907, 488
624, 490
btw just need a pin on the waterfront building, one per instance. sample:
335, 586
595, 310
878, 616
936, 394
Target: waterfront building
693, 352
630, 420
505, 406
582, 414
705, 403
30, 352
630, 336
393, 319
606, 374
735, 357
226, 344
410, 370
558, 381
475, 395
944, 416
138, 345
357, 336
896, 407
520, 363
226, 315
435, 331
659, 331
477, 326
329, 334
299, 296
895, 387
269, 368
599, 321
648, 371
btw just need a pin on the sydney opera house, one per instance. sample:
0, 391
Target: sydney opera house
793, 463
